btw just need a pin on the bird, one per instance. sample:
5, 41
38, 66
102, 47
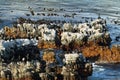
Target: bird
31, 10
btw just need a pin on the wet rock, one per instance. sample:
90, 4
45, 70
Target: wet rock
117, 38
43, 14
27, 14
38, 13
11, 11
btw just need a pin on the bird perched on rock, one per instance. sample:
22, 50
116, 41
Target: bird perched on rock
31, 10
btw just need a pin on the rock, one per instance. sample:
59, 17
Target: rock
71, 58
117, 38
67, 27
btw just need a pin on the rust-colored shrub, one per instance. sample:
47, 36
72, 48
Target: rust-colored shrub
49, 57
46, 44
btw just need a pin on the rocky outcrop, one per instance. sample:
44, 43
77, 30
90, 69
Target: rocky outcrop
46, 68
67, 32
17, 49
92, 38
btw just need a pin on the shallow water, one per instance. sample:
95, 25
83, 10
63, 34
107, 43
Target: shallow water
10, 10
106, 72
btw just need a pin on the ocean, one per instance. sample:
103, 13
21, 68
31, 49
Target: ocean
11, 10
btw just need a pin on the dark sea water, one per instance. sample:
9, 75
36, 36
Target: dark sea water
10, 10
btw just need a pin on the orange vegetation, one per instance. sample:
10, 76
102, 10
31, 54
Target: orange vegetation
10, 32
49, 57
104, 52
27, 78
46, 44
14, 33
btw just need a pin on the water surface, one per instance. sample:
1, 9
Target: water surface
10, 10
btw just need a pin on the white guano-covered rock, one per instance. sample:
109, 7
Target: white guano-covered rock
68, 37
67, 27
71, 58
